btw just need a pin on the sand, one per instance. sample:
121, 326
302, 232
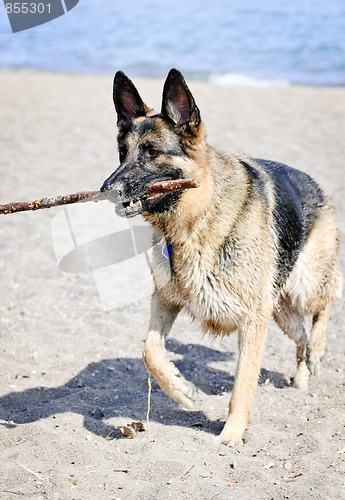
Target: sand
71, 373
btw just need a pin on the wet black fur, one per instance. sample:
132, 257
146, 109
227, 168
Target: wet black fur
298, 200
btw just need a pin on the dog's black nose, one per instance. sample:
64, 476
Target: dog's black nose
111, 184
105, 186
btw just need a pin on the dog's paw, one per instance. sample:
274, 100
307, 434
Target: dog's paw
183, 392
169, 378
232, 433
232, 439
301, 379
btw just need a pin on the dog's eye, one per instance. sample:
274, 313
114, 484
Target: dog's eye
152, 151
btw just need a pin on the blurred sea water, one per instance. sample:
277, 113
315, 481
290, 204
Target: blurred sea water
229, 42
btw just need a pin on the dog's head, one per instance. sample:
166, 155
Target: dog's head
154, 147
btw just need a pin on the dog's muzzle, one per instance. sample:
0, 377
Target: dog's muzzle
114, 191
112, 188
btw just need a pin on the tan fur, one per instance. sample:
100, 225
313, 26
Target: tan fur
243, 299
314, 283
227, 267
196, 229
316, 275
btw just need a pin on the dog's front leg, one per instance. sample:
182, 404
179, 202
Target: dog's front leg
251, 340
164, 371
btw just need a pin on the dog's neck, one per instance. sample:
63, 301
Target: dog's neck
201, 207
192, 205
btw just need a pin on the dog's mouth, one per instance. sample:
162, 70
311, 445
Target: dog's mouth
136, 206
157, 195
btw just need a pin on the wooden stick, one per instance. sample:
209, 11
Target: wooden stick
153, 188
171, 185
22, 206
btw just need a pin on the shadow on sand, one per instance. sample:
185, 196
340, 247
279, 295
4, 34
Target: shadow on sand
118, 387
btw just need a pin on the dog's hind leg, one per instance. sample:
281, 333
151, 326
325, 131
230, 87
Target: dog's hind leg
154, 354
317, 344
292, 323
251, 339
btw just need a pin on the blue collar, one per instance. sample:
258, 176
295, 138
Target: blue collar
167, 250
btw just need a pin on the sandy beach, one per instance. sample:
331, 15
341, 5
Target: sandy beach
72, 373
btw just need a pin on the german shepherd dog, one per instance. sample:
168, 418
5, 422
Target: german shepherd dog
255, 239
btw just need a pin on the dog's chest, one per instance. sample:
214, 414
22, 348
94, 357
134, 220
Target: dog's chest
191, 278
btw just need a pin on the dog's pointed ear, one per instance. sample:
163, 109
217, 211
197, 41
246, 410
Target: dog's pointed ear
178, 103
127, 101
